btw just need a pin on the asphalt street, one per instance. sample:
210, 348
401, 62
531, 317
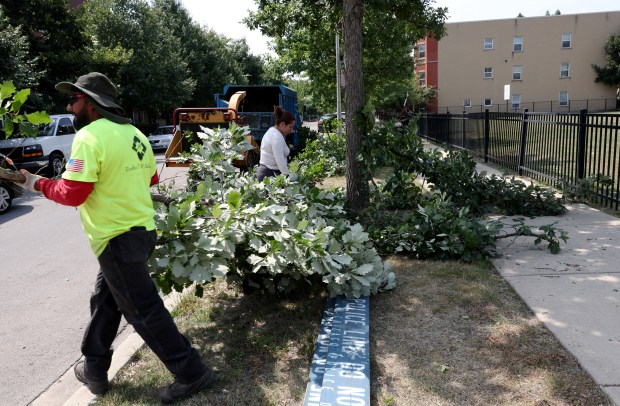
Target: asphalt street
47, 271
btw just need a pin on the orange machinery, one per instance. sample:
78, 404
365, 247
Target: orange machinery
187, 123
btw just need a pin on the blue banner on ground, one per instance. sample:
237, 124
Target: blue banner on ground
345, 364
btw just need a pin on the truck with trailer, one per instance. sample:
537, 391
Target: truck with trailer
246, 105
256, 108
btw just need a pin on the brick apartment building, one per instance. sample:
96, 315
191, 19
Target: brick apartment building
540, 63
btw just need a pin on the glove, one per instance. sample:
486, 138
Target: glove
31, 180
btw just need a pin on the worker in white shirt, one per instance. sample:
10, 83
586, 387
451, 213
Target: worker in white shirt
273, 148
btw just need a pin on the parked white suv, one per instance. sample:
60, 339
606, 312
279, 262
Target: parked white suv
48, 152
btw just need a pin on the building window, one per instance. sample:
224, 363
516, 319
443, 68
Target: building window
516, 101
517, 44
516, 72
422, 78
466, 102
563, 98
565, 70
488, 73
566, 40
421, 51
488, 43
488, 102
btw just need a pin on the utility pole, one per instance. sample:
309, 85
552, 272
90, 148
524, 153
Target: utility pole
338, 69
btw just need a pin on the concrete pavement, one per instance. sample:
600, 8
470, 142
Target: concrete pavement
575, 293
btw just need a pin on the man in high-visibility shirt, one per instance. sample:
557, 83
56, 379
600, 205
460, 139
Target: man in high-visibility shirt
108, 176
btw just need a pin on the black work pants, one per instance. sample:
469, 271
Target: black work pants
124, 287
262, 172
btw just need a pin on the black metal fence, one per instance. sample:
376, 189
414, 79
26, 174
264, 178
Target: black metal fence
570, 106
549, 147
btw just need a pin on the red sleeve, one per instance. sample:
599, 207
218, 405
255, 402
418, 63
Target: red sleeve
63, 191
155, 179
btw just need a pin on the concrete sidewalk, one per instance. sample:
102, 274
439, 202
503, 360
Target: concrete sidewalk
575, 293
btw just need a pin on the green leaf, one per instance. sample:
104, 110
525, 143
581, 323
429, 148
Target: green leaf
216, 211
8, 128
303, 224
342, 259
364, 269
28, 129
178, 269
19, 99
234, 200
38, 117
7, 89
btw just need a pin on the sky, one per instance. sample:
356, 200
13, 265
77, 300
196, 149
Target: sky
224, 16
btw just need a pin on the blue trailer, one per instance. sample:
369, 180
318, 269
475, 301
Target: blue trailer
256, 108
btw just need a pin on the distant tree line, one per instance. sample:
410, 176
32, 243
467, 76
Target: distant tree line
158, 56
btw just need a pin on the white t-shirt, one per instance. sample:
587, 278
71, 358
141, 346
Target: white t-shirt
273, 151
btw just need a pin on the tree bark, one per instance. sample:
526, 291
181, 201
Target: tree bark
357, 184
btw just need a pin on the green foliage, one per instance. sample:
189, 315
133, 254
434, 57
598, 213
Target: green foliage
277, 235
323, 157
11, 102
18, 66
304, 37
456, 173
56, 45
610, 73
585, 190
436, 229
445, 221
155, 76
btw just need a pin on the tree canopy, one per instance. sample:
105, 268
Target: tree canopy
610, 73
379, 36
158, 56
56, 42
18, 65
304, 31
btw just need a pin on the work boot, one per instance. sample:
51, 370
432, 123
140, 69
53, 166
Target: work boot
177, 391
97, 387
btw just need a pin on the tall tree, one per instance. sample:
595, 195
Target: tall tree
303, 34
304, 31
357, 183
154, 76
57, 41
203, 49
610, 73
18, 65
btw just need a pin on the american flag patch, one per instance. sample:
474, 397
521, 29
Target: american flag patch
75, 165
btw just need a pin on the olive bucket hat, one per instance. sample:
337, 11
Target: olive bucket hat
101, 92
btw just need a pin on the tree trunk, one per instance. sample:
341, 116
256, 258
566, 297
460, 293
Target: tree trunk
357, 184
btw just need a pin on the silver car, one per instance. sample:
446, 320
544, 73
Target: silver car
161, 138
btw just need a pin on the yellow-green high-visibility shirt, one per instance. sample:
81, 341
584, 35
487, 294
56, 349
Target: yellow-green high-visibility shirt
119, 161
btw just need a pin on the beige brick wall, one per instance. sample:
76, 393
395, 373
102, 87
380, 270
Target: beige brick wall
462, 59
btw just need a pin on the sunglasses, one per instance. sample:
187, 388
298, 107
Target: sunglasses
74, 98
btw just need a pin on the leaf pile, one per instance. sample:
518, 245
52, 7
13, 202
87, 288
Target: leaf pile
277, 236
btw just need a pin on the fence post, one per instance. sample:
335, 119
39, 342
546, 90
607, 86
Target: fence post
523, 142
487, 130
463, 130
581, 145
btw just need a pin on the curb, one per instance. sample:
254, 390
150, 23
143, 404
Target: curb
62, 391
